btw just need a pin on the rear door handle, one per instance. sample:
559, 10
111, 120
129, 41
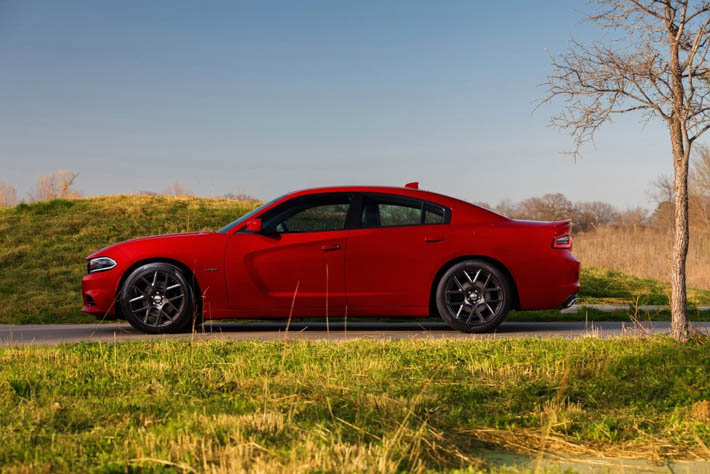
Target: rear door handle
330, 248
434, 238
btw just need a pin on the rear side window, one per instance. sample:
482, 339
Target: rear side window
434, 214
399, 214
391, 211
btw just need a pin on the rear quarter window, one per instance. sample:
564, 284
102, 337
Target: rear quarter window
391, 211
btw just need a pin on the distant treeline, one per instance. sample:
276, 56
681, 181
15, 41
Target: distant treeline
585, 215
589, 215
60, 185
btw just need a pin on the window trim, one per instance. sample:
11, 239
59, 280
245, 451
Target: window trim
357, 206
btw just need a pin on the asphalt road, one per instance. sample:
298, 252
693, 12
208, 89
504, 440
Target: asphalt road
50, 334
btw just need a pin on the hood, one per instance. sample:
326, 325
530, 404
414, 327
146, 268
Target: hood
152, 237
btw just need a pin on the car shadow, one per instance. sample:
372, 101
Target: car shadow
317, 326
363, 326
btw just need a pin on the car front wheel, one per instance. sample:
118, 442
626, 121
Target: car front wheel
473, 296
157, 298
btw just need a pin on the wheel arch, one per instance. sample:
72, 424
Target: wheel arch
189, 274
496, 263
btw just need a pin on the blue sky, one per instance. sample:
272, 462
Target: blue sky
264, 97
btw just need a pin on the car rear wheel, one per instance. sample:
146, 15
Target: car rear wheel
473, 296
157, 298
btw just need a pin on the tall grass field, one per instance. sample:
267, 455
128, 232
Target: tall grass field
643, 252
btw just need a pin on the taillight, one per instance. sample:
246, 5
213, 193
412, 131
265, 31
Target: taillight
563, 241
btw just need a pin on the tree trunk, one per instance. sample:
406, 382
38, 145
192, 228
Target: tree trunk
679, 308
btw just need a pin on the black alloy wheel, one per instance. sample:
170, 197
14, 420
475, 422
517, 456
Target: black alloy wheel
157, 298
473, 296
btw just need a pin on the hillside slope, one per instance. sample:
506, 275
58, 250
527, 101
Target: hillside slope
43, 245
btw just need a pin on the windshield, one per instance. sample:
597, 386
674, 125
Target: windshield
245, 217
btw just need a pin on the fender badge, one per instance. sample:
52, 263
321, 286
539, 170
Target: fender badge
211, 269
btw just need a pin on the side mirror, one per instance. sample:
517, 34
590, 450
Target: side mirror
254, 225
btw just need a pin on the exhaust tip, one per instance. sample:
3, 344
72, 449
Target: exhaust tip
570, 301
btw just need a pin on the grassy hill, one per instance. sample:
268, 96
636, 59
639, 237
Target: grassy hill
43, 245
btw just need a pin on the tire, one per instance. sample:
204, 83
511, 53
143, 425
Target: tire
157, 298
473, 296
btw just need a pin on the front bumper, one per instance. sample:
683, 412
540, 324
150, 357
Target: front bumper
98, 292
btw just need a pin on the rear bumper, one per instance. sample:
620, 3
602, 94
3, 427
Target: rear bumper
552, 283
98, 294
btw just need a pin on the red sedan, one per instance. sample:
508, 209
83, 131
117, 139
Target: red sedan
353, 250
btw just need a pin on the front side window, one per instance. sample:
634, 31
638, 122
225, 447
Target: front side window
243, 220
390, 211
313, 213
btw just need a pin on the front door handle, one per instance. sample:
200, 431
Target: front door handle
330, 248
434, 238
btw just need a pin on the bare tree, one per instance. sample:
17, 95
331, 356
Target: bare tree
55, 186
700, 171
662, 217
634, 217
699, 188
8, 195
508, 208
176, 189
590, 215
240, 197
549, 207
661, 193
661, 189
655, 63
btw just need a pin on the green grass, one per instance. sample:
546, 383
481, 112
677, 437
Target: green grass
43, 245
408, 405
591, 314
601, 285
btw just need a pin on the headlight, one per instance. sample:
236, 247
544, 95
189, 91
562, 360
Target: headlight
100, 264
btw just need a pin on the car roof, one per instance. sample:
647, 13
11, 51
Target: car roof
400, 191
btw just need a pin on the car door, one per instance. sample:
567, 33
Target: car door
298, 258
394, 254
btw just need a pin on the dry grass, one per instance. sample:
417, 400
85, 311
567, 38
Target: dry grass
643, 252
